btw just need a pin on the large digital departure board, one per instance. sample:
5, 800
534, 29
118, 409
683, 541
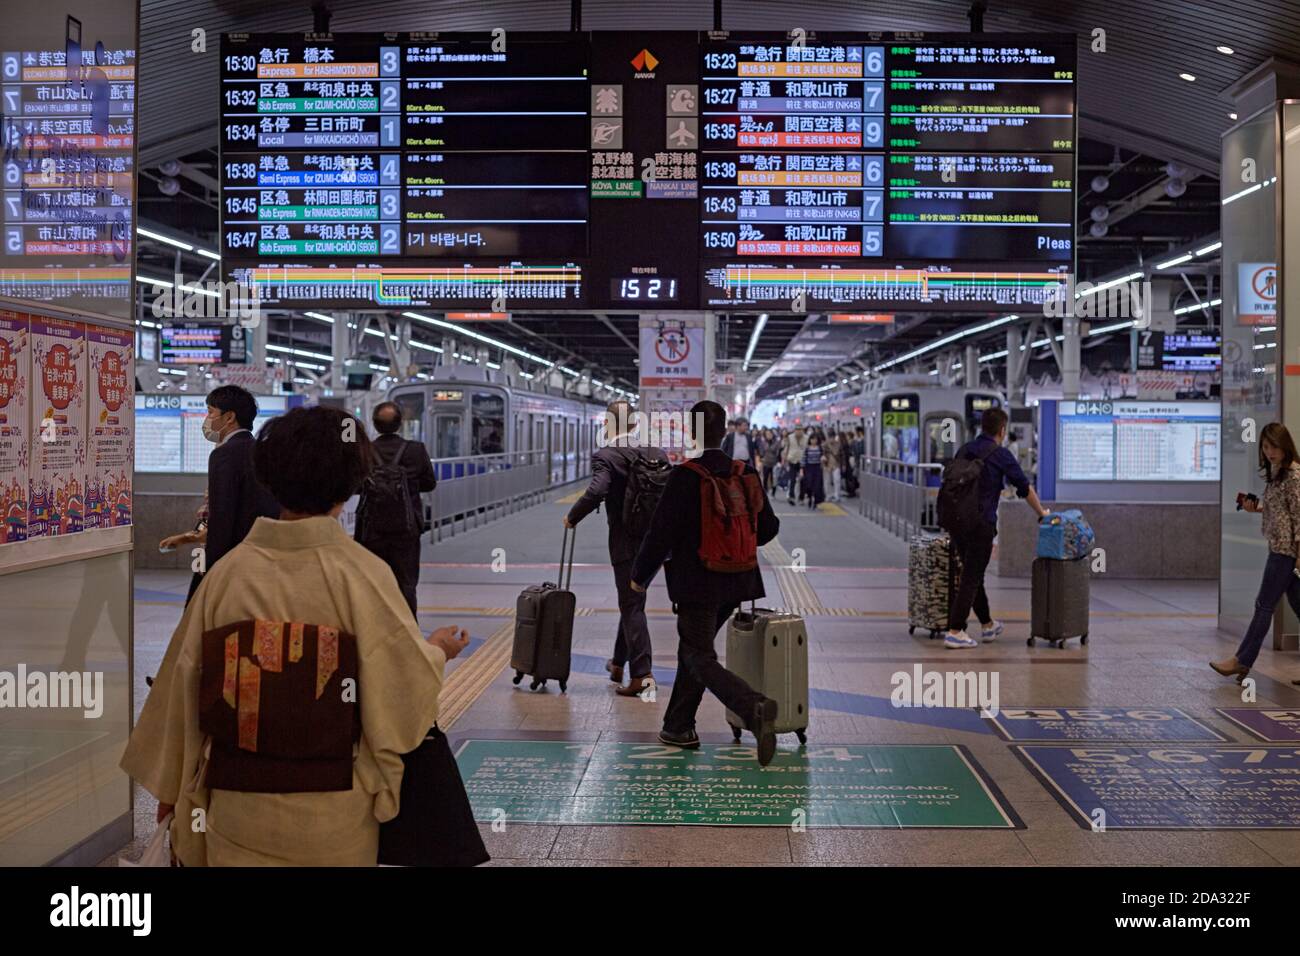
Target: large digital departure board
67, 154
672, 169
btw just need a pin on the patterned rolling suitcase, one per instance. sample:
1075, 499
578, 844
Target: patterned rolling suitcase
544, 625
933, 572
1059, 600
769, 651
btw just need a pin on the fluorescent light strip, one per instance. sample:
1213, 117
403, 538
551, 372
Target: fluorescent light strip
1169, 264
1198, 307
1213, 247
317, 315
168, 284
1247, 191
946, 340
1106, 285
753, 341
305, 354
161, 238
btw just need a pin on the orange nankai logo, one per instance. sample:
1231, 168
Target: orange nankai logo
645, 60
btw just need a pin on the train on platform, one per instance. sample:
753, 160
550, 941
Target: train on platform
470, 417
905, 417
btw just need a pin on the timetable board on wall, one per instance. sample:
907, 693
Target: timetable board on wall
170, 430
617, 170
1139, 441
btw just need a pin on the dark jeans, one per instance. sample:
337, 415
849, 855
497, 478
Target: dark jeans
698, 669
794, 481
633, 641
975, 550
403, 556
1279, 580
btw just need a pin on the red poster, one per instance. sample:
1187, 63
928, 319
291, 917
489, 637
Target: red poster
15, 379
56, 504
110, 455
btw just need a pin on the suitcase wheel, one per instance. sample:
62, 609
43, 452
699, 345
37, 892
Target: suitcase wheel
802, 735
535, 684
910, 629
564, 686
1084, 639
735, 732
519, 675
1030, 642
934, 634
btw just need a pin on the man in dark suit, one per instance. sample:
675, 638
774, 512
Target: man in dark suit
400, 551
235, 498
610, 465
705, 600
741, 444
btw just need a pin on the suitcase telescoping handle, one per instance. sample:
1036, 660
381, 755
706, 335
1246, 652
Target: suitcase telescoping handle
568, 545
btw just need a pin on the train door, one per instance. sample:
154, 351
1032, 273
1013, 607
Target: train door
554, 450
570, 450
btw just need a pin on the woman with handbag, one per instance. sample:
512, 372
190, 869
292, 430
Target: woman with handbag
297, 681
1281, 528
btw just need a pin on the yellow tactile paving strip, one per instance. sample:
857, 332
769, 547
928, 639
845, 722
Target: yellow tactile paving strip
464, 685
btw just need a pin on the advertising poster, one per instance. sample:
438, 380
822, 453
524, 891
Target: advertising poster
58, 424
110, 427
15, 378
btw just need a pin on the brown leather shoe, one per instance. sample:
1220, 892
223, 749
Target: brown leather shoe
1230, 668
635, 686
615, 671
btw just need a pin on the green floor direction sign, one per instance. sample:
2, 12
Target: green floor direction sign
557, 782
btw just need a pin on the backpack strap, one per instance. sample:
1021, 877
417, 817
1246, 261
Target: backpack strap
401, 450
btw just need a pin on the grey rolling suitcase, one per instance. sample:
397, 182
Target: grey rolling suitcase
1059, 601
544, 613
769, 651
933, 572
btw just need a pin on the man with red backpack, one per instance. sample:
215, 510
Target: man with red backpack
709, 524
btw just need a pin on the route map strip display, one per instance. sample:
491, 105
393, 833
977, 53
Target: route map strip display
617, 169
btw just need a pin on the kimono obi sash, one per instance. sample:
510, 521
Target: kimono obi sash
279, 701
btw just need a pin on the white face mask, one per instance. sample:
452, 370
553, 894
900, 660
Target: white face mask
210, 433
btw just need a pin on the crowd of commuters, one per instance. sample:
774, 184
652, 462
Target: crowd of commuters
810, 465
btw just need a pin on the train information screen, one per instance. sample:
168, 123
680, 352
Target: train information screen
611, 170
1139, 441
67, 163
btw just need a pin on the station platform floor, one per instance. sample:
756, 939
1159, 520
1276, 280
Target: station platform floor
1129, 726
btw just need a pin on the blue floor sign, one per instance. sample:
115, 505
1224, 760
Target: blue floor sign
1273, 726
1172, 788
1101, 724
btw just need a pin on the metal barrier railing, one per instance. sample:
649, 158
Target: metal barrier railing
475, 489
897, 495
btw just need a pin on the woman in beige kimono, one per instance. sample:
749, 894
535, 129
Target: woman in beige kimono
296, 679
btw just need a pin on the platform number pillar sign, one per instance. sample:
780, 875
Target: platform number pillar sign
1259, 315
1070, 358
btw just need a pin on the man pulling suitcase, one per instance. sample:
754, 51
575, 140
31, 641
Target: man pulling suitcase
712, 518
968, 510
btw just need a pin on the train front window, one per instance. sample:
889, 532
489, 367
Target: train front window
412, 406
448, 432
976, 406
943, 437
488, 412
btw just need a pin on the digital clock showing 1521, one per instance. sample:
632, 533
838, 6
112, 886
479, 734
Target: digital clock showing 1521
643, 289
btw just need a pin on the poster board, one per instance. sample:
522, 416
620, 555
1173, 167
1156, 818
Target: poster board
15, 376
56, 497
110, 427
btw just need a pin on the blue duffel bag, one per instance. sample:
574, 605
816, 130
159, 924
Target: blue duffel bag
1064, 536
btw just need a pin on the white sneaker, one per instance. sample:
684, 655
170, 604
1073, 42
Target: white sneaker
990, 633
960, 640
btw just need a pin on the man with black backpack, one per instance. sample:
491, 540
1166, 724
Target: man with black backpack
712, 519
968, 511
390, 516
629, 478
